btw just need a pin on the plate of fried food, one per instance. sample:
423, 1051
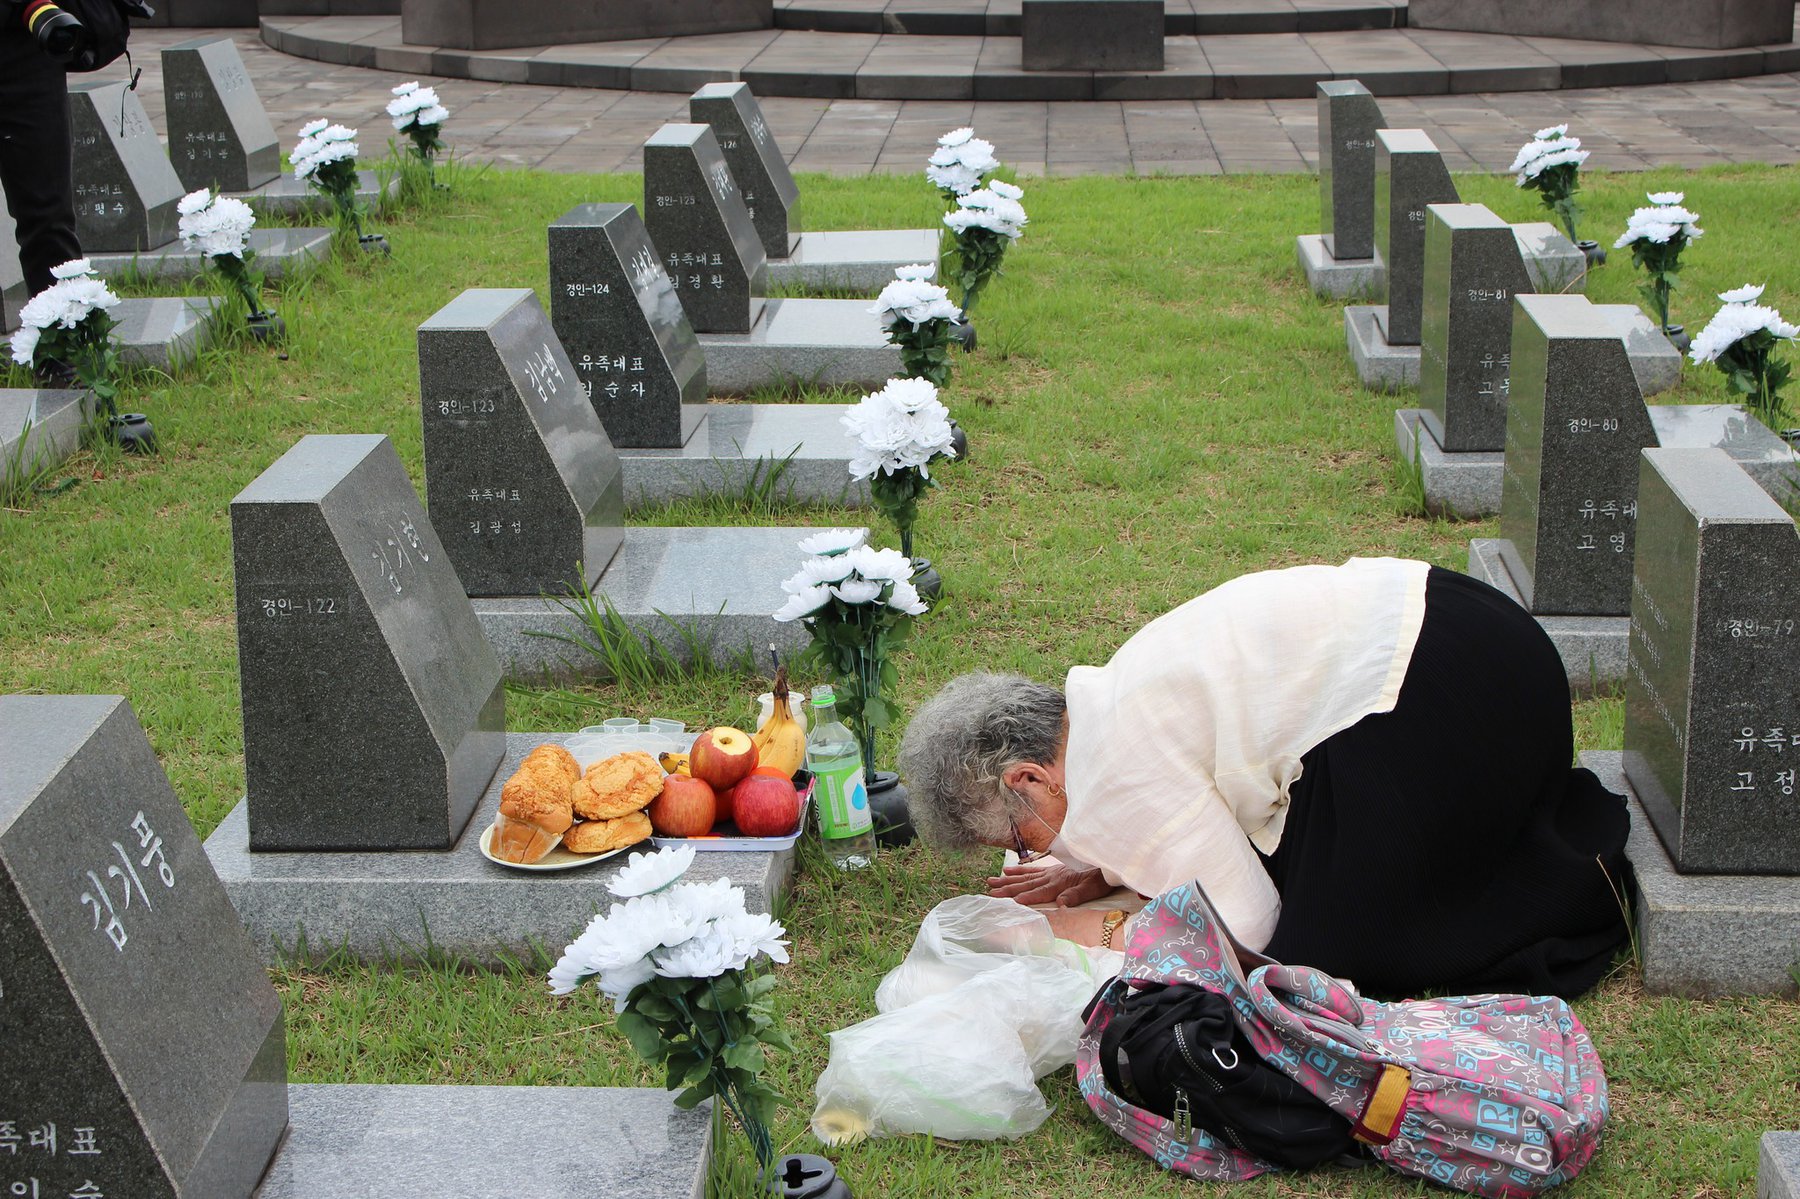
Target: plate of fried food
556, 816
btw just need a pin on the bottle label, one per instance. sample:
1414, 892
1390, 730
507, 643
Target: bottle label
843, 804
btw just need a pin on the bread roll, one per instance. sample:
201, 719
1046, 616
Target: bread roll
535, 808
617, 786
598, 836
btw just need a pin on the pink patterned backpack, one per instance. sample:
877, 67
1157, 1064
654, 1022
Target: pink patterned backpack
1497, 1095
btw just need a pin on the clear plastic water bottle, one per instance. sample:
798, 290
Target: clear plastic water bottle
846, 827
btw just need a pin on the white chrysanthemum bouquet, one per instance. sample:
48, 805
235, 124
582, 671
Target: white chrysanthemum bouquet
900, 431
960, 164
219, 227
678, 961
1741, 340
919, 318
1657, 235
858, 603
984, 223
70, 322
325, 159
418, 113
1550, 163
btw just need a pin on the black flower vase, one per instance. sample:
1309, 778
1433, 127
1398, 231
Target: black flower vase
959, 441
1592, 252
926, 579
133, 433
890, 808
963, 334
1677, 335
806, 1176
374, 243
266, 325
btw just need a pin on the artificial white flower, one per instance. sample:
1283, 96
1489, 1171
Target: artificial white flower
320, 145
803, 603
905, 598
957, 137
1659, 225
194, 201
24, 344
857, 591
984, 209
647, 872
707, 954
960, 162
900, 427
1734, 322
955, 178
1749, 293
916, 272
217, 226
431, 116
834, 541
1552, 133
406, 89
882, 565
1537, 156
419, 106
815, 571
623, 980
1665, 197
912, 395
75, 268
74, 297
914, 301
1005, 190
753, 934
314, 127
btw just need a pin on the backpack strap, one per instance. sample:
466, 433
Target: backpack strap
1380, 1119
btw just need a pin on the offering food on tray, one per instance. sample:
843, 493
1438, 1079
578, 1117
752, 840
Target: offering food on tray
535, 805
601, 836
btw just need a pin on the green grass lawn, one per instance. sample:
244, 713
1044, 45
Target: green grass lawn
1158, 405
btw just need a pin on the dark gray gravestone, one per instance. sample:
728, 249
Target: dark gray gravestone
125, 188
13, 291
519, 473
374, 714
1568, 495
613, 307
145, 1051
762, 175
702, 232
1092, 35
219, 134
1712, 692
1348, 119
1409, 176
1473, 269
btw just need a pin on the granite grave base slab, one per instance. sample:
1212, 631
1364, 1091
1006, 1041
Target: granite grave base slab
733, 447
716, 586
164, 332
1379, 364
1466, 486
356, 1140
1593, 648
279, 252
38, 429
852, 260
826, 343
1337, 278
1705, 935
286, 196
1778, 1166
378, 905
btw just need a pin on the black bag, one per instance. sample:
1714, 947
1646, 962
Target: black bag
108, 24
1176, 1051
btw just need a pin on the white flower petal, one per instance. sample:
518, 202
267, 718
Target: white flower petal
1749, 293
644, 873
834, 541
857, 591
803, 603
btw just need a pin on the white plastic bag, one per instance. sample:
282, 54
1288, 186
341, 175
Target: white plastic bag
987, 1002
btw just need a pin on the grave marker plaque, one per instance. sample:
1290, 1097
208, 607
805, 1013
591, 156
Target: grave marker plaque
1712, 690
1473, 269
616, 313
374, 714
219, 133
1568, 494
703, 234
125, 188
1409, 176
519, 474
762, 175
1348, 119
144, 1047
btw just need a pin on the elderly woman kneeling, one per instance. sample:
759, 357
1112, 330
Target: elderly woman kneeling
1367, 767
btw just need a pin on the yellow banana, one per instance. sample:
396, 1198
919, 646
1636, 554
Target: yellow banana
781, 743
674, 763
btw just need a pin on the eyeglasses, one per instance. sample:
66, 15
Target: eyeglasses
1026, 854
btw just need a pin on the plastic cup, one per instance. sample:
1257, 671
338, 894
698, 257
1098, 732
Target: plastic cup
664, 727
619, 725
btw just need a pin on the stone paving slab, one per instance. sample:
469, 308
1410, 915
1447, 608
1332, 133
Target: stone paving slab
1685, 124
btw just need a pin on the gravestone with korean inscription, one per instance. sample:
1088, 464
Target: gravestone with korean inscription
1473, 269
145, 1052
374, 715
1712, 693
615, 310
219, 134
1348, 119
520, 477
702, 231
1409, 177
768, 188
126, 189
1574, 426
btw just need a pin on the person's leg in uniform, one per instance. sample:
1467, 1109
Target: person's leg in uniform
37, 168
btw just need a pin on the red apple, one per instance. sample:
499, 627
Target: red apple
726, 802
685, 808
766, 806
722, 756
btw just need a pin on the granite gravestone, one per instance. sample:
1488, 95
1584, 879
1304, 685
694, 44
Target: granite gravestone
1575, 424
616, 313
145, 1050
1348, 119
1473, 269
518, 469
1409, 177
1091, 35
762, 175
125, 188
1712, 693
703, 234
374, 714
219, 134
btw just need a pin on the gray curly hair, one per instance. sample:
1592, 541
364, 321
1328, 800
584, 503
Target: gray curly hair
961, 742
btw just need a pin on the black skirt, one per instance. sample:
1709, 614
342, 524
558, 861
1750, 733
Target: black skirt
1449, 846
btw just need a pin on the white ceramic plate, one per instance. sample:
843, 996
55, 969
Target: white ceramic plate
557, 859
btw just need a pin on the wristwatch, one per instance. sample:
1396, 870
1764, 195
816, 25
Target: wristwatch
1110, 925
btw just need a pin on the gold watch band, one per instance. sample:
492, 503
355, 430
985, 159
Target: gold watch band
1110, 925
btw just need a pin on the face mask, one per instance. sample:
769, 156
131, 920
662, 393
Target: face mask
1060, 850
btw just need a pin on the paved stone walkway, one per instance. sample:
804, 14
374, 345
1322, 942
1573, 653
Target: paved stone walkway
579, 129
